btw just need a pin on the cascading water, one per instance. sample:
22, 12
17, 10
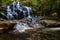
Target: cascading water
9, 15
14, 5
29, 21
16, 9
14, 13
18, 6
24, 13
28, 10
21, 27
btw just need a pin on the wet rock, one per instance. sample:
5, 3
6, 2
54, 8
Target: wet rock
31, 34
1, 30
26, 24
51, 23
6, 25
1, 19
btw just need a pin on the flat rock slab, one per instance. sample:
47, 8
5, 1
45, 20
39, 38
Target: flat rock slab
6, 24
51, 23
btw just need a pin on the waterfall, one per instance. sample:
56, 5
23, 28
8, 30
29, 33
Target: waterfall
16, 10
28, 10
24, 13
9, 15
28, 22
21, 27
14, 5
14, 13
18, 6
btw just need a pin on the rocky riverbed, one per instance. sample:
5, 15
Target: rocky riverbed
35, 34
48, 23
31, 34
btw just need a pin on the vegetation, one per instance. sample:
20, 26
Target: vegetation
44, 7
4, 2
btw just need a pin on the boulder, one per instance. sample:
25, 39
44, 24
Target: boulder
6, 25
51, 23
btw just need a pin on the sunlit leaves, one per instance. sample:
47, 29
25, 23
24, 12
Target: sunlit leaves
4, 2
33, 2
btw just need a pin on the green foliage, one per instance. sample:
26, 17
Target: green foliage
43, 6
33, 2
4, 2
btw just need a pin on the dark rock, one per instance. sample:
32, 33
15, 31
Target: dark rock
5, 25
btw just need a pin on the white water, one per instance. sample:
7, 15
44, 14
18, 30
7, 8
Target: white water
9, 15
21, 27
24, 13
18, 5
28, 10
14, 8
25, 25
14, 4
12, 11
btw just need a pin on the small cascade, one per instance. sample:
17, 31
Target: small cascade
29, 22
24, 13
17, 11
14, 5
9, 14
26, 24
14, 11
21, 27
19, 6
28, 10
